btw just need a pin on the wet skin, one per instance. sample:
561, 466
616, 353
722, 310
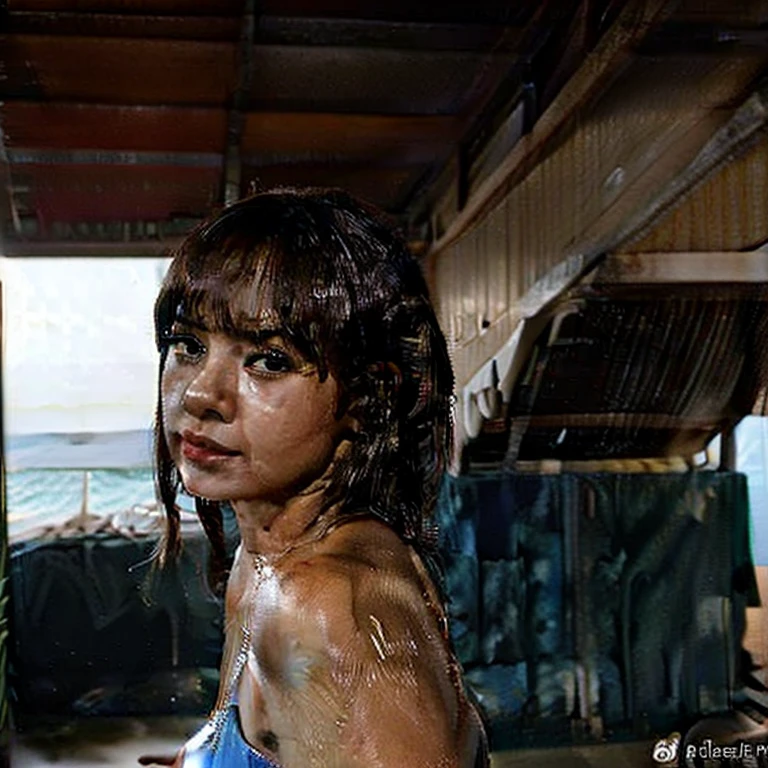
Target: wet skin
348, 660
247, 420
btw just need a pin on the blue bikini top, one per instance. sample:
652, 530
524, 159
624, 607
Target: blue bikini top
220, 744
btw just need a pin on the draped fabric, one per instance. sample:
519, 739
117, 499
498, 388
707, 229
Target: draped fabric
98, 630
611, 599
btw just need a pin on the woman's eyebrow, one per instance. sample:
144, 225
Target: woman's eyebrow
189, 323
259, 336
251, 335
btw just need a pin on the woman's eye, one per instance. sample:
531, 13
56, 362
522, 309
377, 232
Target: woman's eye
272, 361
184, 346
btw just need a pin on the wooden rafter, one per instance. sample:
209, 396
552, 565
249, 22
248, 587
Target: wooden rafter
682, 268
231, 185
9, 217
273, 30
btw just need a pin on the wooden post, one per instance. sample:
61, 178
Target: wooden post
5, 748
727, 451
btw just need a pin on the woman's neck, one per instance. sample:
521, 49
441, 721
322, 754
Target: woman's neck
268, 529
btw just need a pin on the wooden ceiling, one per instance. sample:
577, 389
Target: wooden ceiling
125, 120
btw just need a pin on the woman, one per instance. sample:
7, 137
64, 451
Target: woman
304, 380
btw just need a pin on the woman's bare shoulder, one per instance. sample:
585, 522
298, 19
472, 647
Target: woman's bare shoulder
378, 640
356, 562
360, 575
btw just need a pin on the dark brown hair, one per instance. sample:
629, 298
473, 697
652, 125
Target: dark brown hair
348, 294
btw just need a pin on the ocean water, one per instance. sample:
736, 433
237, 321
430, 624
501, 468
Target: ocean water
43, 497
45, 476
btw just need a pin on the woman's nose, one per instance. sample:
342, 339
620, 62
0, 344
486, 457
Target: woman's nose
212, 393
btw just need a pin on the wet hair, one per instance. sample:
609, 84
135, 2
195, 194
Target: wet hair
341, 285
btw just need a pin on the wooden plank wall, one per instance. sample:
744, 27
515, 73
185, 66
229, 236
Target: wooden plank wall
727, 212
598, 188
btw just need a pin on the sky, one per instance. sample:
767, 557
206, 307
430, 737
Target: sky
78, 349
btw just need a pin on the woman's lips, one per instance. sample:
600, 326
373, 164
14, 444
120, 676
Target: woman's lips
201, 449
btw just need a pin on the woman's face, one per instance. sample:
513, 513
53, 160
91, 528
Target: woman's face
246, 417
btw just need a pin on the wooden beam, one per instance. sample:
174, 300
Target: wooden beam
75, 126
727, 211
113, 157
231, 185
728, 454
156, 26
301, 161
739, 134
200, 73
274, 30
325, 133
600, 68
685, 268
81, 126
619, 421
117, 70
405, 34
77, 248
752, 13
68, 194
9, 218
159, 7
681, 39
448, 11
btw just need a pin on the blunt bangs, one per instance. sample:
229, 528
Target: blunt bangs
250, 270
